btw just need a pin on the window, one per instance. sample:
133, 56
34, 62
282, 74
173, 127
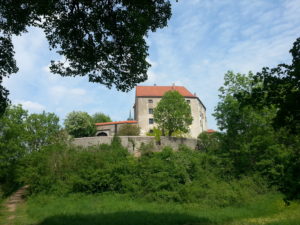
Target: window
150, 111
151, 121
188, 101
150, 101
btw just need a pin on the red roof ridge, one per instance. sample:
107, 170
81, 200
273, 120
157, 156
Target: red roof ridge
116, 122
159, 91
210, 131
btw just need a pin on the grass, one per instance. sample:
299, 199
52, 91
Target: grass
3, 213
108, 209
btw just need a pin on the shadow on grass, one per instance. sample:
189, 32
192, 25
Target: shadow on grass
126, 218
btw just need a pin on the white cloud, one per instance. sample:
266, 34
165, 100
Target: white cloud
31, 106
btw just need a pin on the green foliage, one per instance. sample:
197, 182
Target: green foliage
250, 143
280, 87
104, 40
249, 140
80, 124
173, 113
129, 130
21, 134
156, 133
101, 118
8, 66
209, 142
12, 145
41, 130
147, 148
182, 176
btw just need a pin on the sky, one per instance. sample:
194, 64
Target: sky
204, 39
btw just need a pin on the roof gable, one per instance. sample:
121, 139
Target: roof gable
159, 91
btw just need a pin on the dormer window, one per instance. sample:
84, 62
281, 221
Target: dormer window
150, 101
188, 101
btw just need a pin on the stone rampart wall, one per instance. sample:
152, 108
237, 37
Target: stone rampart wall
133, 143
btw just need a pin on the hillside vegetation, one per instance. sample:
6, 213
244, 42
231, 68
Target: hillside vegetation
248, 173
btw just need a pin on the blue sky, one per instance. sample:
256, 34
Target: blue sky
203, 40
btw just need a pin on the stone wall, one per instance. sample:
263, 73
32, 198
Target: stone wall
133, 143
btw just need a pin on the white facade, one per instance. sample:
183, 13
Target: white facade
143, 113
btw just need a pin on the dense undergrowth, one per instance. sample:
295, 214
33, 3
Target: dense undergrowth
181, 176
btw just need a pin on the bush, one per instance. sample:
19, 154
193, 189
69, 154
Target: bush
182, 176
129, 130
209, 142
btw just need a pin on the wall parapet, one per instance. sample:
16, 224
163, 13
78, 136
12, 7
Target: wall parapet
134, 143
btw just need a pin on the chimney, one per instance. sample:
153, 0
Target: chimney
195, 94
154, 84
173, 86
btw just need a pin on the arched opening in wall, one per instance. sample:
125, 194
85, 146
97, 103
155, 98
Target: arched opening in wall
102, 134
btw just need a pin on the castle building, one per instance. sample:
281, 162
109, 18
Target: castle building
111, 128
147, 97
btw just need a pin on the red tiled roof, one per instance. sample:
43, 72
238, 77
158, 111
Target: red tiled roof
210, 131
117, 122
158, 91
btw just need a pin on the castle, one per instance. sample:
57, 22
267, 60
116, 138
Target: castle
146, 99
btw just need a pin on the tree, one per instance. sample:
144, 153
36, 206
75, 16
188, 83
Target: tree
80, 124
42, 130
173, 113
281, 88
104, 40
12, 145
101, 118
249, 142
129, 130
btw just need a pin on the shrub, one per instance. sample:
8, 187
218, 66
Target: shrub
182, 176
129, 130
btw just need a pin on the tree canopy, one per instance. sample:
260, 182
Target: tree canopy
249, 139
101, 118
280, 88
80, 124
104, 40
42, 129
253, 142
21, 134
173, 113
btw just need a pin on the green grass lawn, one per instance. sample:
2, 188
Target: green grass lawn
120, 210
